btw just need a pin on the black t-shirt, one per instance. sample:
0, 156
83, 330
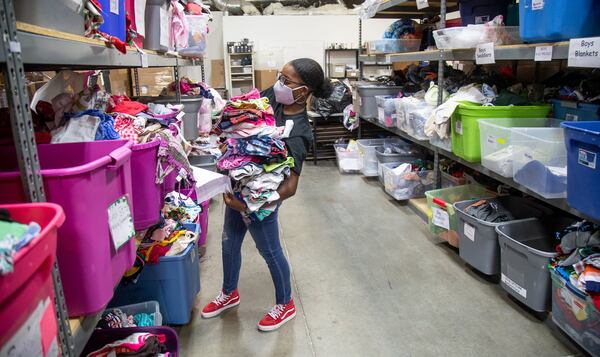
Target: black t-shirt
301, 136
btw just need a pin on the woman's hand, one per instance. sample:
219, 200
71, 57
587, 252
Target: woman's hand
234, 203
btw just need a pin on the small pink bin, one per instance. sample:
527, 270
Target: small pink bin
85, 179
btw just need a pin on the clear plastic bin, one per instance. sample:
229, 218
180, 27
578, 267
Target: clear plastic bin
348, 161
368, 156
393, 46
147, 307
406, 185
453, 38
496, 141
443, 222
574, 312
386, 110
540, 160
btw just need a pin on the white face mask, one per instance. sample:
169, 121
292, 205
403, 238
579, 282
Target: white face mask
284, 94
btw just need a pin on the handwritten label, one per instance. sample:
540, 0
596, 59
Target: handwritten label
537, 5
440, 218
584, 52
114, 6
514, 286
543, 53
422, 4
484, 53
144, 60
120, 222
469, 231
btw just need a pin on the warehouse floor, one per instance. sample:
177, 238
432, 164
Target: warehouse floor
369, 280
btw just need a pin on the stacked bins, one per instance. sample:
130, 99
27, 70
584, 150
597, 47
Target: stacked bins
526, 249
478, 240
85, 179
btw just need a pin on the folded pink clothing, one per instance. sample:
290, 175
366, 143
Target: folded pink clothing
234, 161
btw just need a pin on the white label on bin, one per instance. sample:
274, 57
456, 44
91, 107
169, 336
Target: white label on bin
584, 52
587, 159
469, 231
164, 27
537, 5
484, 53
421, 4
543, 53
440, 218
571, 117
458, 127
114, 6
514, 286
120, 222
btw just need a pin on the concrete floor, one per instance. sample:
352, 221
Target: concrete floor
369, 280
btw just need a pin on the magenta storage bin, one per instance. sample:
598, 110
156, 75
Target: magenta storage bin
114, 19
101, 338
83, 178
146, 194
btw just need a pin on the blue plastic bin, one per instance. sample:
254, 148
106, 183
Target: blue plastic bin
575, 111
114, 19
481, 11
559, 20
583, 155
174, 282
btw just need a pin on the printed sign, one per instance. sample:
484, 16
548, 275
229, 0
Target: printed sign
440, 218
537, 5
120, 222
514, 286
469, 231
584, 52
587, 159
421, 4
543, 53
484, 53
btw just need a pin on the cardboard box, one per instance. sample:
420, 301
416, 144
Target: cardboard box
265, 78
217, 73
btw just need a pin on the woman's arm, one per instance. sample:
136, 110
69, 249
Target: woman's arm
288, 187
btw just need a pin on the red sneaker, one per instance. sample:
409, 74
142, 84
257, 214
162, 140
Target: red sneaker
278, 316
221, 303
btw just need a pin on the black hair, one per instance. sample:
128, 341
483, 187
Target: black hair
312, 75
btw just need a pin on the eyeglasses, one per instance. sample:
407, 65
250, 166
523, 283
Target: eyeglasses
286, 81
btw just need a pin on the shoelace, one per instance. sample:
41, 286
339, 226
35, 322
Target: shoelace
221, 298
276, 311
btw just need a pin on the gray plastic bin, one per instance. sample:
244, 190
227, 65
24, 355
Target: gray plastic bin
478, 240
207, 162
526, 248
363, 99
191, 108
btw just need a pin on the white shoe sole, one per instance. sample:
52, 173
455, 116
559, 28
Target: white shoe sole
208, 315
275, 327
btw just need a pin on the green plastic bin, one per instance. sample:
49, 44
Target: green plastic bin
441, 215
465, 127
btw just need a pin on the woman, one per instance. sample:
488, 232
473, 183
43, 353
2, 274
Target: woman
297, 81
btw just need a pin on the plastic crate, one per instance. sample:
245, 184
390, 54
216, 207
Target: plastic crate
526, 249
393, 46
408, 185
451, 181
85, 179
540, 160
465, 37
441, 215
575, 111
114, 18
465, 127
558, 20
147, 307
496, 141
478, 240
101, 338
348, 162
574, 312
583, 151
174, 282
386, 110
481, 11
30, 283
145, 194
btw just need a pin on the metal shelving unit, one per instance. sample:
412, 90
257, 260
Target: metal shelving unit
30, 47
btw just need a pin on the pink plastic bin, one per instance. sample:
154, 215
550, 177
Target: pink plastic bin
84, 178
31, 281
146, 194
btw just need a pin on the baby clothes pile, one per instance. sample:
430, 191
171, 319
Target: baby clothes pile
256, 157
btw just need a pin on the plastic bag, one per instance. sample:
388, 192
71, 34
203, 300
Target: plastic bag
339, 99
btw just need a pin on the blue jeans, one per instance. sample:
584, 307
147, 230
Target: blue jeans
266, 238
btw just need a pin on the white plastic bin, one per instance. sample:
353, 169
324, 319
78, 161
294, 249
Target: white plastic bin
407, 185
473, 35
148, 307
540, 160
348, 161
496, 140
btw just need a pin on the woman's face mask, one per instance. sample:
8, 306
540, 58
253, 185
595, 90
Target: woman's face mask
284, 94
